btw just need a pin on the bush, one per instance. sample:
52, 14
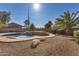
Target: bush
40, 33
76, 35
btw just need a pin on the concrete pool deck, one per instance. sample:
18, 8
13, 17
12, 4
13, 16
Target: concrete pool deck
13, 39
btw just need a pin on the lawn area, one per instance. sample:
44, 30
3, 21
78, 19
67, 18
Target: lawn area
59, 45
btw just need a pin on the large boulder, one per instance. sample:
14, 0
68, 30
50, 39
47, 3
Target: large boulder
35, 43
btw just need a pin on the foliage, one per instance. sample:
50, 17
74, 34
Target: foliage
2, 25
32, 27
48, 25
76, 35
5, 18
27, 23
67, 21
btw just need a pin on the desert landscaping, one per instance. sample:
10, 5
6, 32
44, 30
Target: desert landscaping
45, 31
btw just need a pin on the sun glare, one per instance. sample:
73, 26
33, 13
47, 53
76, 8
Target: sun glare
36, 6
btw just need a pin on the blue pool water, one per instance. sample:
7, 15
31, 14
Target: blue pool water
20, 35
23, 36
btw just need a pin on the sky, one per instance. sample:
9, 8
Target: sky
46, 12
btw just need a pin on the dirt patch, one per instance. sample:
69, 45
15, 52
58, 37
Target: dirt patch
59, 45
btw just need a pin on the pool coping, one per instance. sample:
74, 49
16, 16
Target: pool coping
8, 40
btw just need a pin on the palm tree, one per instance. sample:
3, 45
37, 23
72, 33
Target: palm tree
27, 23
67, 21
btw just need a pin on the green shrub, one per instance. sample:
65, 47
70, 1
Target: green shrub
76, 35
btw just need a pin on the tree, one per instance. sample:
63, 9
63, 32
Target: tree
67, 21
48, 25
5, 18
27, 23
32, 26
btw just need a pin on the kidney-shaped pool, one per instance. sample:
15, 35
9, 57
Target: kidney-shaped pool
13, 37
19, 35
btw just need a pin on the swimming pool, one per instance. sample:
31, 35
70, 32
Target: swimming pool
19, 35
22, 36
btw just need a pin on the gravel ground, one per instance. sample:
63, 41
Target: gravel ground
57, 46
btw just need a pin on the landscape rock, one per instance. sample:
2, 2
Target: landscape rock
35, 43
